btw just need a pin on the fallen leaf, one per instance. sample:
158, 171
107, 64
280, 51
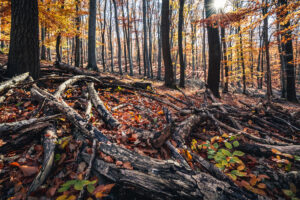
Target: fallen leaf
29, 170
14, 164
261, 186
119, 163
127, 165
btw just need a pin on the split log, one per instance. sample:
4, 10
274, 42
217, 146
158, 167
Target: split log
157, 179
49, 143
71, 81
6, 128
13, 82
99, 105
88, 130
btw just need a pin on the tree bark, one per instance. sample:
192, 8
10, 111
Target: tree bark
77, 40
165, 30
24, 39
213, 79
118, 38
224, 59
180, 49
92, 63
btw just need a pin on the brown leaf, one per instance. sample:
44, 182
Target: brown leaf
119, 163
127, 165
29, 170
108, 159
26, 104
103, 188
51, 192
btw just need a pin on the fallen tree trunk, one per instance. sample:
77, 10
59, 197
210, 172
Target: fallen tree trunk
49, 143
86, 128
6, 128
157, 179
13, 82
99, 105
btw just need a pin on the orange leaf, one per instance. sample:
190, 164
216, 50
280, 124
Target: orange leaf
127, 165
14, 164
263, 176
275, 151
262, 186
160, 112
103, 190
258, 191
253, 181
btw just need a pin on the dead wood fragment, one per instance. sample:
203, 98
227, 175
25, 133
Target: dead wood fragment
49, 143
25, 137
86, 128
99, 105
157, 179
165, 134
6, 128
13, 82
71, 81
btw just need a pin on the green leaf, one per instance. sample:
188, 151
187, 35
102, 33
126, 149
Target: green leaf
288, 193
238, 153
93, 182
234, 160
62, 189
211, 151
236, 144
79, 185
237, 173
297, 158
69, 183
57, 157
216, 145
90, 188
228, 145
232, 138
226, 152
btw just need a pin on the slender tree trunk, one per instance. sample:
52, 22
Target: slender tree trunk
159, 47
213, 79
24, 39
146, 71
125, 35
92, 63
282, 64
204, 50
110, 39
43, 35
150, 68
180, 27
225, 90
103, 38
165, 31
77, 39
243, 60
129, 40
137, 44
118, 38
193, 27
266, 42
58, 39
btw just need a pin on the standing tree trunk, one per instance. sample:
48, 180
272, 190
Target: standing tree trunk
103, 38
266, 42
287, 49
92, 63
118, 38
24, 39
43, 35
243, 60
180, 26
137, 43
165, 31
282, 64
58, 39
110, 39
128, 41
204, 50
159, 47
146, 67
224, 59
150, 67
213, 79
77, 40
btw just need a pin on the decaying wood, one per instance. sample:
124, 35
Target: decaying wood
49, 143
157, 179
13, 82
6, 128
89, 169
86, 128
74, 70
71, 81
26, 136
165, 134
106, 116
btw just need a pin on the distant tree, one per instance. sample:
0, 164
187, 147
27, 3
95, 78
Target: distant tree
165, 30
24, 39
213, 79
118, 37
145, 54
181, 59
77, 39
92, 63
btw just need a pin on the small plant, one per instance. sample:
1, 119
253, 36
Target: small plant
78, 185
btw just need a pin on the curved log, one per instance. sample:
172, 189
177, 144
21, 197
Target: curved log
13, 82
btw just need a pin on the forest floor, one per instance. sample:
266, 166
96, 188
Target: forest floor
48, 132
